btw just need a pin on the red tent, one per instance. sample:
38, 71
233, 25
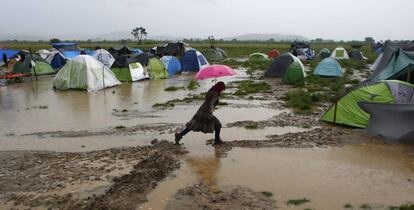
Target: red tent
273, 53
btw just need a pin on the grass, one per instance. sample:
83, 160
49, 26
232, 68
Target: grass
301, 101
252, 125
167, 104
297, 202
267, 194
174, 88
119, 127
348, 206
247, 87
409, 206
365, 206
193, 85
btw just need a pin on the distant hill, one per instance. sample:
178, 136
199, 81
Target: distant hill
264, 37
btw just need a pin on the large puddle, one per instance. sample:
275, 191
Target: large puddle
331, 177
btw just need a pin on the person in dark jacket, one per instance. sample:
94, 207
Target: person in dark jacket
204, 120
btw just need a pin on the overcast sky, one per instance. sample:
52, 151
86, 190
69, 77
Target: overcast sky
339, 20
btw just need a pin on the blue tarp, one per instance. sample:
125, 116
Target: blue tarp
8, 52
70, 54
172, 64
328, 67
63, 44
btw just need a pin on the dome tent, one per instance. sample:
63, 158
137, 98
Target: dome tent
340, 53
104, 57
273, 53
289, 67
258, 57
41, 67
329, 67
193, 61
172, 64
134, 72
156, 69
324, 53
213, 55
346, 110
85, 72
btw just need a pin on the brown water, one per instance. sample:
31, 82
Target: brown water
330, 177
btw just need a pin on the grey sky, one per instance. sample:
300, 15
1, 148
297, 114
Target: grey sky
344, 19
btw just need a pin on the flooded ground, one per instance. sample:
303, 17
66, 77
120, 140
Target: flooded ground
286, 156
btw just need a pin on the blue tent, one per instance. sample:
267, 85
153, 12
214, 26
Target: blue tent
70, 54
137, 51
328, 67
63, 44
9, 53
193, 60
172, 64
58, 61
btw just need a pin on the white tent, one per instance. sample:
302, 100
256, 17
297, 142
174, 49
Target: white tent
43, 53
105, 57
85, 72
340, 53
138, 72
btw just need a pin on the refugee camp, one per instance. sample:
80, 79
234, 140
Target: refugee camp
206, 105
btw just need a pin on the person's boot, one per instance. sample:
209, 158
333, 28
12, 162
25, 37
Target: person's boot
178, 137
218, 141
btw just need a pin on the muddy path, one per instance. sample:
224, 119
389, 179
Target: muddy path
118, 178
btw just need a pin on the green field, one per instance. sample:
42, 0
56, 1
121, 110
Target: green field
233, 48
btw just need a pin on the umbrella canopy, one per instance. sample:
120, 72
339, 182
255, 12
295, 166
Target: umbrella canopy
214, 71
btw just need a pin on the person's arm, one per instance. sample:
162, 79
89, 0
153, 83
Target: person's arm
214, 98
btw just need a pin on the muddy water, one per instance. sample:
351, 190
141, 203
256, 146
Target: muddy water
330, 177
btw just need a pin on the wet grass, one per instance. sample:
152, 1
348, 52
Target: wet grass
167, 104
193, 85
348, 206
119, 127
301, 101
252, 126
247, 87
297, 202
267, 194
365, 206
408, 206
174, 88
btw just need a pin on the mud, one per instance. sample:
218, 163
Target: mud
119, 130
43, 179
200, 196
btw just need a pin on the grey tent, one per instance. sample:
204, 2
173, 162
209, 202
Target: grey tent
391, 121
356, 55
395, 63
121, 50
213, 55
324, 53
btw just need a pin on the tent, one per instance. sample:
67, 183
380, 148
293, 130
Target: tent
142, 58
213, 54
9, 53
85, 72
395, 63
25, 66
172, 64
136, 51
347, 112
324, 53
221, 51
69, 46
172, 48
56, 59
70, 54
121, 50
134, 72
340, 53
391, 121
289, 67
376, 62
193, 61
156, 69
273, 53
301, 48
356, 55
104, 57
258, 57
121, 61
329, 67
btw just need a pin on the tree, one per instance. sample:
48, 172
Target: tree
138, 32
55, 40
369, 40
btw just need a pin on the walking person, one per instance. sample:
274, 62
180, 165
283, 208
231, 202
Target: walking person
204, 120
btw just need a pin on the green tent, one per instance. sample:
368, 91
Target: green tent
295, 74
213, 55
156, 69
346, 110
258, 57
26, 67
289, 67
135, 72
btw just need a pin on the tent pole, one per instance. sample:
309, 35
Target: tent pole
336, 107
409, 76
33, 67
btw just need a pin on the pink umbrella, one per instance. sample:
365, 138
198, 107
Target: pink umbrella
214, 71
